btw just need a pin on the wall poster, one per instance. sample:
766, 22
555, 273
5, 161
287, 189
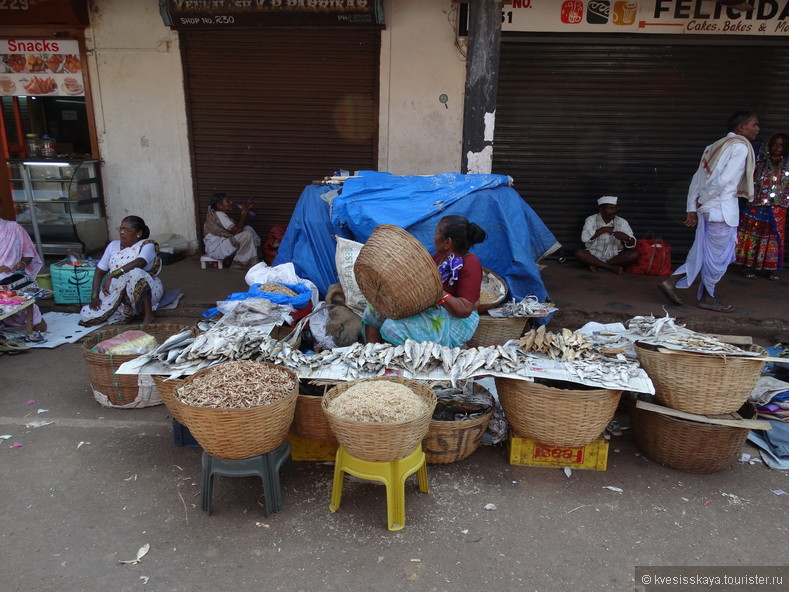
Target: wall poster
40, 67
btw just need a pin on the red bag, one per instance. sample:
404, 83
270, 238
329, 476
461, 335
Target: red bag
654, 256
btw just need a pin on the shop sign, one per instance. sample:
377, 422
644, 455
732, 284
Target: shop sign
188, 14
40, 67
695, 17
43, 12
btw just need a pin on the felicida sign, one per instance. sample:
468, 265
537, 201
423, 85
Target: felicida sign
768, 17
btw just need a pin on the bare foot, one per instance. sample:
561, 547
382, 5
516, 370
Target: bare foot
619, 270
148, 320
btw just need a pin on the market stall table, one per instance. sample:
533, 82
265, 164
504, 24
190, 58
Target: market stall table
26, 305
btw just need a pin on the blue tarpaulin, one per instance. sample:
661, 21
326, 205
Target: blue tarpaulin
517, 237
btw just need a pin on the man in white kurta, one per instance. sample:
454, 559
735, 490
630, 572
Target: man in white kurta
724, 174
608, 240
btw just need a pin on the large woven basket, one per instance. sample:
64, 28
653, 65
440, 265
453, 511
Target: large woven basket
167, 388
688, 445
495, 331
451, 441
120, 389
237, 433
556, 416
310, 421
700, 383
396, 274
381, 442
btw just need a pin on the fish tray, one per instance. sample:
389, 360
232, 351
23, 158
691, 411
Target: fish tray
592, 456
570, 416
700, 383
687, 445
381, 442
121, 390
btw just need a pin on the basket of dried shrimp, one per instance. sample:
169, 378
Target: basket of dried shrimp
493, 290
396, 274
706, 384
119, 389
380, 419
237, 409
559, 413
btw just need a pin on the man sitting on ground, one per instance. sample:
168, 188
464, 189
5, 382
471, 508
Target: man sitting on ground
608, 239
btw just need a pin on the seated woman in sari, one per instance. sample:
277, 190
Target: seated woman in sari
224, 237
453, 320
125, 283
19, 254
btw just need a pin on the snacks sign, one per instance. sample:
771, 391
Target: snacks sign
46, 67
697, 17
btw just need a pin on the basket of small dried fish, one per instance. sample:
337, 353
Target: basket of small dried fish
380, 419
688, 445
496, 331
121, 390
707, 384
459, 421
493, 290
309, 421
555, 412
396, 274
237, 409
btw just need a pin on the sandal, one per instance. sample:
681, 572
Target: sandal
716, 306
749, 275
773, 277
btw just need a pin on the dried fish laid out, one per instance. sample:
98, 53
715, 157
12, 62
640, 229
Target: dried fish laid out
379, 402
463, 402
237, 385
690, 341
652, 326
608, 373
528, 307
565, 345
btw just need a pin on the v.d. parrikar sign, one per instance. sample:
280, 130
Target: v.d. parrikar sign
696, 17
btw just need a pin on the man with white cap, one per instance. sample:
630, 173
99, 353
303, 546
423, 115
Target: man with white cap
608, 240
724, 174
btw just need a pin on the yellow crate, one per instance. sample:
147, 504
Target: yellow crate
302, 449
593, 456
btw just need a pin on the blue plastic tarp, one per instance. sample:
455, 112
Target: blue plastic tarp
517, 237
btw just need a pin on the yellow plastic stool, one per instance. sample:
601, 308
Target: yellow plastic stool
393, 474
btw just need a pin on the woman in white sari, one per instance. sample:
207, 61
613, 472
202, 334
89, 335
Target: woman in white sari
125, 283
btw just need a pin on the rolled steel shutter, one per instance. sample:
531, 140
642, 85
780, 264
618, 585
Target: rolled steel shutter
271, 110
576, 120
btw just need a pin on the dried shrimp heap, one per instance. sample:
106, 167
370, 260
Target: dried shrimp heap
378, 401
274, 288
487, 297
237, 385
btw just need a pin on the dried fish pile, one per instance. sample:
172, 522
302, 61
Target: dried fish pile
651, 326
703, 344
487, 297
608, 373
565, 345
236, 385
528, 307
379, 402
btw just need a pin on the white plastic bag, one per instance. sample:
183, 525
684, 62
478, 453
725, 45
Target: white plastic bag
344, 258
280, 274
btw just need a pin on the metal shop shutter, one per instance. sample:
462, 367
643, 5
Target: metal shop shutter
575, 121
271, 110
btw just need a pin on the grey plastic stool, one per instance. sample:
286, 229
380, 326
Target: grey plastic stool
266, 466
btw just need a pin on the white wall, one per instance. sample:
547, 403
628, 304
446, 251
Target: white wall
138, 93
419, 62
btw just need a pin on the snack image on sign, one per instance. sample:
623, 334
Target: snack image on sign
72, 64
380, 402
15, 62
7, 86
34, 63
71, 86
54, 63
40, 86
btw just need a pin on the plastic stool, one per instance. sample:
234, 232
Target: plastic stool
266, 466
393, 474
205, 259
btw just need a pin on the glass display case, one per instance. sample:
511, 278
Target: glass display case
60, 203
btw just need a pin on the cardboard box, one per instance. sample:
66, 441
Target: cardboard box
302, 449
72, 285
593, 456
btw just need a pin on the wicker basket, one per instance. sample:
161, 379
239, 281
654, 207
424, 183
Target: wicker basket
688, 445
451, 441
556, 416
120, 389
495, 331
237, 433
167, 390
490, 279
397, 276
700, 383
381, 442
310, 421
